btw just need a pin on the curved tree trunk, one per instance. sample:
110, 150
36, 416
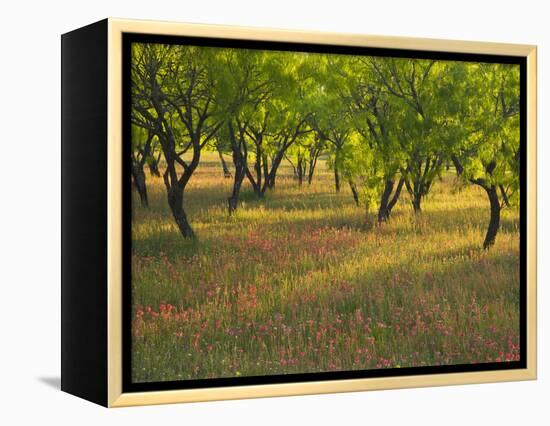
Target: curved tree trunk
139, 181
238, 148
367, 214
396, 195
153, 164
233, 200
354, 192
270, 181
255, 187
312, 163
265, 168
417, 203
175, 201
504, 195
383, 212
310, 172
300, 169
256, 181
272, 175
494, 221
387, 201
336, 179
240, 173
226, 172
416, 191
494, 202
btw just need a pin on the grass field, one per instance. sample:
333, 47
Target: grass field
302, 282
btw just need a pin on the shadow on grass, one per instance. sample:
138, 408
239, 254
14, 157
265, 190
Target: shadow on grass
169, 243
403, 220
462, 218
169, 240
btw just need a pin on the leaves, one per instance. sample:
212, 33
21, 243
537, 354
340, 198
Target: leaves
375, 118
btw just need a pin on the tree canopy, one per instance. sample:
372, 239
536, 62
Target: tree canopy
384, 124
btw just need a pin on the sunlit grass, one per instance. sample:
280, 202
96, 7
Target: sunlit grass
303, 281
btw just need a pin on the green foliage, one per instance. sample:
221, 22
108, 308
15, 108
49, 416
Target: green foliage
376, 120
490, 152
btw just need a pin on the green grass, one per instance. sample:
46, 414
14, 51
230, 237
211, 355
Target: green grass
302, 281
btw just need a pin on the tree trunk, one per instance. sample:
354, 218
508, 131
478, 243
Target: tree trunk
310, 172
240, 154
494, 222
240, 172
415, 191
387, 202
504, 196
139, 182
226, 172
416, 202
492, 194
354, 192
294, 171
257, 183
272, 175
300, 168
153, 164
266, 172
270, 182
234, 199
336, 178
396, 195
175, 201
383, 212
367, 214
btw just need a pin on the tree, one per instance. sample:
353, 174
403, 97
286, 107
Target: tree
315, 149
246, 84
331, 117
337, 134
141, 151
414, 87
153, 159
296, 158
376, 158
174, 96
489, 152
219, 147
270, 145
239, 151
279, 120
385, 124
303, 157
376, 128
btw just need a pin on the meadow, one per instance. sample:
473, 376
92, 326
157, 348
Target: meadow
304, 281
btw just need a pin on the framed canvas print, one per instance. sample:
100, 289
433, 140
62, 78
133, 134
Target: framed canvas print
250, 212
